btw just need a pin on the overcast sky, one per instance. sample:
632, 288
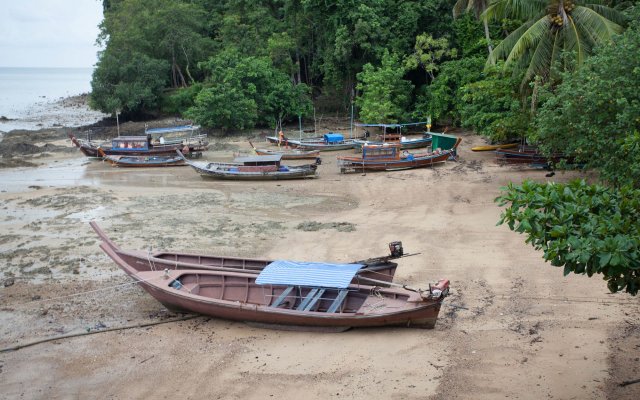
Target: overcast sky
49, 33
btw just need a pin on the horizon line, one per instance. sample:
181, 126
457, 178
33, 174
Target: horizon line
53, 67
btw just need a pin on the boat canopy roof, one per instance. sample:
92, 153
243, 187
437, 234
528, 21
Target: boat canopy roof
392, 125
171, 129
311, 274
333, 137
270, 159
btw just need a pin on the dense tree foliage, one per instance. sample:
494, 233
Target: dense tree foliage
443, 98
385, 94
240, 92
587, 229
477, 7
327, 49
127, 81
594, 115
323, 45
595, 112
492, 107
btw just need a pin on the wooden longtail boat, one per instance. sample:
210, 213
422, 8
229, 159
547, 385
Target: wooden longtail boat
276, 140
147, 144
143, 161
390, 157
378, 268
525, 154
492, 147
330, 142
291, 296
253, 168
288, 154
281, 142
410, 143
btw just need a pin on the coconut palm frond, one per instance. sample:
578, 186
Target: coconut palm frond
573, 40
602, 28
516, 9
460, 7
540, 59
529, 40
558, 41
609, 13
503, 49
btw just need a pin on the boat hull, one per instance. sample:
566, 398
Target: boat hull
91, 150
290, 154
145, 161
255, 176
529, 155
235, 296
379, 268
321, 146
228, 172
355, 164
404, 145
495, 147
424, 316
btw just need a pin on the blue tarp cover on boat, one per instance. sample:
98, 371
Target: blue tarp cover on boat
333, 137
296, 273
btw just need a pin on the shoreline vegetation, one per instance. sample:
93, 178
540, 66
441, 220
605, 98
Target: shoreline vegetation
528, 314
57, 283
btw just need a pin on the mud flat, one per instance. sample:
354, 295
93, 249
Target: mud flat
513, 327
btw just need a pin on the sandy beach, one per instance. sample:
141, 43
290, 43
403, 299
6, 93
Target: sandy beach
513, 327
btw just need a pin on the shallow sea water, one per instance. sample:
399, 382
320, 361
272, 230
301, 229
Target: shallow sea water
30, 98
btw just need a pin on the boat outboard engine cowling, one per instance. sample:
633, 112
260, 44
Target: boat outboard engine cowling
396, 249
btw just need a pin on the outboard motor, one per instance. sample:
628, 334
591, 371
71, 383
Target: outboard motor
396, 249
318, 160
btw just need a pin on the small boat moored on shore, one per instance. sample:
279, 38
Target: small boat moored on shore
302, 296
143, 161
390, 157
288, 154
393, 133
492, 147
253, 168
155, 142
331, 142
380, 269
529, 155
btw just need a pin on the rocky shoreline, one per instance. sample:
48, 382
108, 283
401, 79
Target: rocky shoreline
70, 111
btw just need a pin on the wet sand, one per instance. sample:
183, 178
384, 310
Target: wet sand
513, 327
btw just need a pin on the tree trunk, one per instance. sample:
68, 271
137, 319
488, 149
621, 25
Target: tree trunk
186, 57
174, 80
488, 37
182, 82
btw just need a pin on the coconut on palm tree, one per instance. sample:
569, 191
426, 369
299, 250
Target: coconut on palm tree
551, 28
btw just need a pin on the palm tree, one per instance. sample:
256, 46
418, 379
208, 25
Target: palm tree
478, 7
551, 28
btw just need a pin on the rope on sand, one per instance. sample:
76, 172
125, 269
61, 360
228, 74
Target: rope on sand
71, 335
627, 383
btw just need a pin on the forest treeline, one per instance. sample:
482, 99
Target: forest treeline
235, 64
561, 73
